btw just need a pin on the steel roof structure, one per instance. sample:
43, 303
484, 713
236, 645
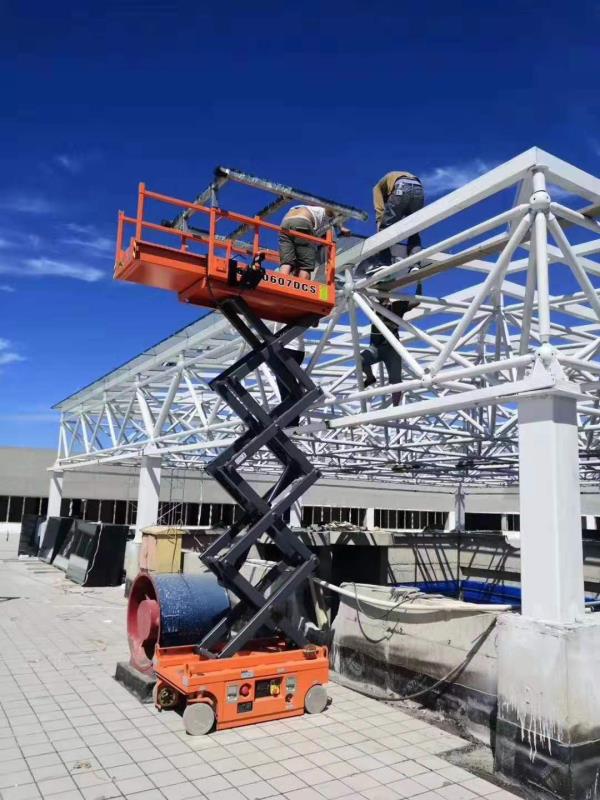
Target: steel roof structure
509, 307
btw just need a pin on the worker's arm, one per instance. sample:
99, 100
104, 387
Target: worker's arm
379, 199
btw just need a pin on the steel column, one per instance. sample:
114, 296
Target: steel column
550, 506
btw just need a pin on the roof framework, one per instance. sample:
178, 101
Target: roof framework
510, 306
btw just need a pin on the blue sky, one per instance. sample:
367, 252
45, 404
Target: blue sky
325, 96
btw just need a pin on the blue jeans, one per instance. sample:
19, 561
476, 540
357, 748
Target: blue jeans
406, 198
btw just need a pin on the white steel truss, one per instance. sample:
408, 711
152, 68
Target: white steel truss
510, 306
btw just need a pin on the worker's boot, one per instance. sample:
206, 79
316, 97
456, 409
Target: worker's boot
367, 361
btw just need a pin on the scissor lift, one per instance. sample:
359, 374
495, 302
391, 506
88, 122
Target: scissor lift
257, 663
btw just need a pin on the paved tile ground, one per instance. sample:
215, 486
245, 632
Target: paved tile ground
69, 732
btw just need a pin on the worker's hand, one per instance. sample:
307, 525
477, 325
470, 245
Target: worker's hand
345, 231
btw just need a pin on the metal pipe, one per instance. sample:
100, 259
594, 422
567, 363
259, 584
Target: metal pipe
494, 275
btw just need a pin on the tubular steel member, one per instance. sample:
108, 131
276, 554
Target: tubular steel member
255, 663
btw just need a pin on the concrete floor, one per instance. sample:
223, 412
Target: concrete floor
67, 730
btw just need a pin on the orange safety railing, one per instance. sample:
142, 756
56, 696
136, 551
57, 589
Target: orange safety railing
215, 245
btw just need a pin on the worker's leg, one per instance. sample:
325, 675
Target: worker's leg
369, 357
287, 252
298, 356
406, 198
297, 256
393, 364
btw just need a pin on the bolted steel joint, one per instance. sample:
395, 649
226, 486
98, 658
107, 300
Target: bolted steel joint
540, 201
546, 354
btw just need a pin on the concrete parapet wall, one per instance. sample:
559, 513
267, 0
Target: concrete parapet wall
548, 728
396, 652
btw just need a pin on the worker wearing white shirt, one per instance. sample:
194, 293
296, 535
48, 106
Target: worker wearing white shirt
297, 256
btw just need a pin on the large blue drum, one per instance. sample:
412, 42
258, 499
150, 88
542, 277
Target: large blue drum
171, 610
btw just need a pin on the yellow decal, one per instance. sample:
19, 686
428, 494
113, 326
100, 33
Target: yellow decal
323, 292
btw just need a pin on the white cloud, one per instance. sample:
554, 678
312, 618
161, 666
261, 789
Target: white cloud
86, 236
61, 269
99, 244
8, 354
4, 287
49, 267
71, 164
26, 203
445, 179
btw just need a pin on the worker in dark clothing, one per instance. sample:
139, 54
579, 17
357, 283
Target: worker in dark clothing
296, 350
395, 196
381, 350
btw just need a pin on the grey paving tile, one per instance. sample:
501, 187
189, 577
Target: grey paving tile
133, 785
168, 778
407, 787
14, 764
454, 774
214, 783
115, 760
303, 794
8, 779
201, 770
255, 759
360, 781
94, 778
10, 753
226, 765
431, 780
455, 791
37, 749
100, 791
124, 771
313, 776
181, 791
333, 789
340, 769
242, 777
56, 786
52, 771
411, 768
385, 775
287, 783
27, 792
268, 771
382, 793
479, 786
226, 794
258, 790
296, 764
185, 760
153, 794
322, 758
156, 766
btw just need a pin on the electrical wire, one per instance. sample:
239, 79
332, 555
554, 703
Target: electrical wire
454, 671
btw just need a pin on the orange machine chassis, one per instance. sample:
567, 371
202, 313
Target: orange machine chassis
200, 270
252, 686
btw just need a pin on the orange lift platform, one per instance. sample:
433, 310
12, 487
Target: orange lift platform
206, 269
255, 663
